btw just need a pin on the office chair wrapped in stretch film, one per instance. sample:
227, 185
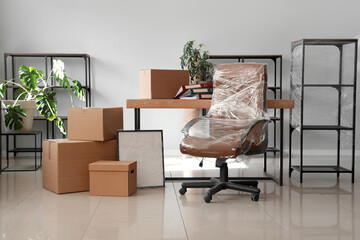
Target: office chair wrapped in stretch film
236, 124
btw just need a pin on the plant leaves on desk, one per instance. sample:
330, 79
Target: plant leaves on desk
13, 118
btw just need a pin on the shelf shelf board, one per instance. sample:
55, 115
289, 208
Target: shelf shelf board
324, 41
321, 169
57, 87
13, 54
25, 150
272, 149
275, 118
329, 85
273, 88
42, 118
245, 56
325, 127
21, 133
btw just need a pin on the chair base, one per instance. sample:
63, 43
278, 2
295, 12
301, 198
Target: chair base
222, 183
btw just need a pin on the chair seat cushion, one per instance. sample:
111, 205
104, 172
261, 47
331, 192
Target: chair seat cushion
203, 147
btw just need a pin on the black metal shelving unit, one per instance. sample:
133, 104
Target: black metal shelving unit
37, 150
10, 63
298, 86
276, 88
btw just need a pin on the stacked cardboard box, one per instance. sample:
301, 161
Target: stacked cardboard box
113, 178
92, 137
161, 83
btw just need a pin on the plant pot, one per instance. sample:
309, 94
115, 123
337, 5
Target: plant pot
29, 108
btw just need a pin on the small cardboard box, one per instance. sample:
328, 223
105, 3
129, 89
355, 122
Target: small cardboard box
113, 178
162, 84
66, 163
94, 124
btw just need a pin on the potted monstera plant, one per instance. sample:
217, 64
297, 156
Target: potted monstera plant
195, 60
34, 90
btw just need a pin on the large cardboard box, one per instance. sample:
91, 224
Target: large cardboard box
66, 163
162, 84
94, 124
113, 178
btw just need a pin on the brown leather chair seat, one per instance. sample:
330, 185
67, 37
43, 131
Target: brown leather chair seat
229, 145
203, 147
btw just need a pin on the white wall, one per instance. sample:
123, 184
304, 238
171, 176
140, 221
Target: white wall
123, 37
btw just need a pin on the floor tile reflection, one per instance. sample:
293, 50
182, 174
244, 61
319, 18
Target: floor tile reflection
323, 207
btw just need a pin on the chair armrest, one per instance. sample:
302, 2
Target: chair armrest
187, 127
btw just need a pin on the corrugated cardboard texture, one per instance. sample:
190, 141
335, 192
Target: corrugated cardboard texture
162, 84
66, 163
94, 124
113, 178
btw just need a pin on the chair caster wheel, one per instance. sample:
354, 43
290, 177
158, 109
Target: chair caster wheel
208, 198
182, 191
255, 197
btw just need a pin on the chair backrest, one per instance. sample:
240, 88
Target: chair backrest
239, 91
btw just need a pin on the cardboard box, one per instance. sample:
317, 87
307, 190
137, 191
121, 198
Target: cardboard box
66, 163
162, 84
94, 124
113, 178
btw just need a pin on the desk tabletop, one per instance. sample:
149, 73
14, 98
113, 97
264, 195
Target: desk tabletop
196, 103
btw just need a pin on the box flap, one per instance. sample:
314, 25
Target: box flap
112, 166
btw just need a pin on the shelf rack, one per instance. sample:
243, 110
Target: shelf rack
297, 88
48, 62
276, 88
37, 150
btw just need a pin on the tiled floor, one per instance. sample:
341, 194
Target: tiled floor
320, 208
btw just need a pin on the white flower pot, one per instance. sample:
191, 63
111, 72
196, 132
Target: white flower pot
29, 108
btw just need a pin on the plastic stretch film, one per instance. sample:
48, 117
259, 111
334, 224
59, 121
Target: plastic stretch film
236, 122
327, 97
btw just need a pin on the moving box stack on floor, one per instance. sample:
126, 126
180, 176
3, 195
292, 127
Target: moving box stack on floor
92, 138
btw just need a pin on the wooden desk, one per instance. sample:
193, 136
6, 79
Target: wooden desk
281, 104
196, 103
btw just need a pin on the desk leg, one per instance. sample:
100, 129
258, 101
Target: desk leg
281, 145
137, 119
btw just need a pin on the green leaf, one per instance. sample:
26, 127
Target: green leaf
46, 104
20, 92
13, 117
2, 90
61, 126
60, 74
78, 90
30, 76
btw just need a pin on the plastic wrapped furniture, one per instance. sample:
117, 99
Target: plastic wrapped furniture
236, 124
323, 87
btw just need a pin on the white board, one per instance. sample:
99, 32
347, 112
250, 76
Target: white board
145, 147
